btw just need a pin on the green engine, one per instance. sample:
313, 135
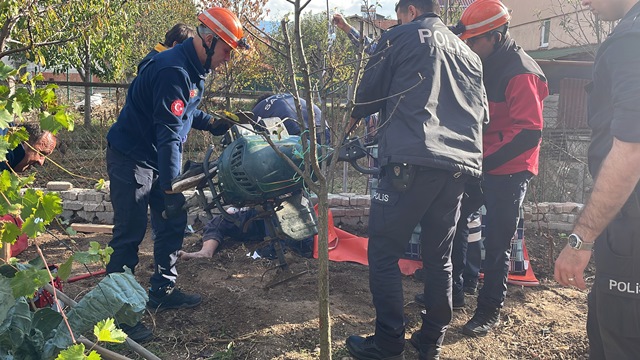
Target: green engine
250, 172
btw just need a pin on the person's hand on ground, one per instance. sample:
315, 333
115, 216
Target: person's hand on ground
184, 255
208, 249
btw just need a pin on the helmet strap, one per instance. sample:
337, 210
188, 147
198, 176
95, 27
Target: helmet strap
502, 30
209, 50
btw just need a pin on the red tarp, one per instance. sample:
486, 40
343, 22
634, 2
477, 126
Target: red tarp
344, 246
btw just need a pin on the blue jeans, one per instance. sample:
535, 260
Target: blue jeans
503, 196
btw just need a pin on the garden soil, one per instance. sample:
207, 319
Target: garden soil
240, 318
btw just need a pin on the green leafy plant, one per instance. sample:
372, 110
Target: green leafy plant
77, 352
46, 333
41, 334
104, 331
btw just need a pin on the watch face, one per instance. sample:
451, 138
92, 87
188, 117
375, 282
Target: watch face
573, 241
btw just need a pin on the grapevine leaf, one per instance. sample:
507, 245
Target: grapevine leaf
49, 207
33, 226
9, 232
106, 331
64, 270
27, 282
74, 352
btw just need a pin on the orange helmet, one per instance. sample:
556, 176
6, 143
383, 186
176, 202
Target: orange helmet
225, 24
483, 16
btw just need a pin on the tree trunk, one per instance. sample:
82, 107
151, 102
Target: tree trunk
445, 15
87, 87
323, 272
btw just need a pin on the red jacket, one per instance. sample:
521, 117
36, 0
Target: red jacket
516, 88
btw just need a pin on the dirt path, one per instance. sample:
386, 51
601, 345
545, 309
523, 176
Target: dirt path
239, 319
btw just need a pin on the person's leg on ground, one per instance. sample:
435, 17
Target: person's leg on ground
459, 261
168, 235
596, 349
503, 196
129, 192
471, 201
440, 220
209, 247
464, 275
393, 216
473, 263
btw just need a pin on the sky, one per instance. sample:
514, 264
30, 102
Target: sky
346, 7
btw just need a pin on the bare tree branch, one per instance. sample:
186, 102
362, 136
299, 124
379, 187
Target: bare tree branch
305, 5
267, 44
271, 38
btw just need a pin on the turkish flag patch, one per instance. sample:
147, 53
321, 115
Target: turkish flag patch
177, 107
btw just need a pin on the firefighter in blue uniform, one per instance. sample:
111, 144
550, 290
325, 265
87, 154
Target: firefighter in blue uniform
145, 154
610, 221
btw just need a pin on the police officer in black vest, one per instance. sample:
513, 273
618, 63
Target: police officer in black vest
427, 85
610, 221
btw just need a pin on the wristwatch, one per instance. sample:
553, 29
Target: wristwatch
576, 243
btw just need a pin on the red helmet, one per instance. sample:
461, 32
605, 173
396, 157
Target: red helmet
225, 24
483, 16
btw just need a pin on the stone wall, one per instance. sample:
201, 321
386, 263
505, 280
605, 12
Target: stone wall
552, 216
348, 209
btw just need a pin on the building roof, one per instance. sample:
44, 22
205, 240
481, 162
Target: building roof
567, 53
386, 23
380, 22
557, 70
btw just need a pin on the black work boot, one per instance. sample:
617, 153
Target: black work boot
458, 300
426, 351
363, 348
482, 322
172, 298
138, 332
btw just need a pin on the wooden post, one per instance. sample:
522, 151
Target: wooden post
6, 251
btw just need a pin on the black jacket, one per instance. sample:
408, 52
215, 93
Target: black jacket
614, 94
516, 89
427, 85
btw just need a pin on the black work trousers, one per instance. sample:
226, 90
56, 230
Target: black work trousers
613, 320
503, 196
431, 199
134, 189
